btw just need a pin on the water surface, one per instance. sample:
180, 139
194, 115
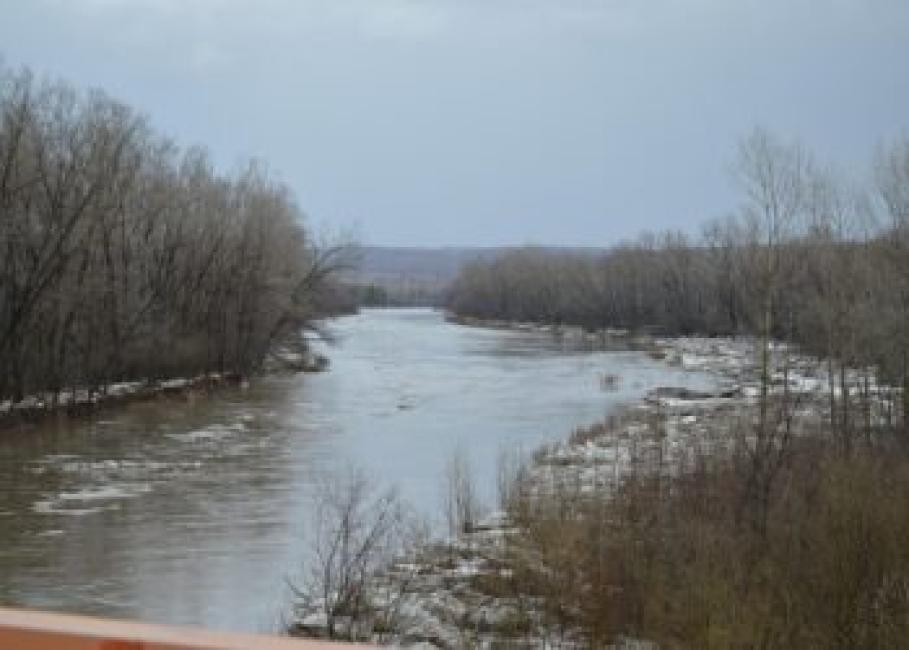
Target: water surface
196, 511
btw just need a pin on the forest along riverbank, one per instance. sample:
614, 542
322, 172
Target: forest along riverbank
478, 589
135, 267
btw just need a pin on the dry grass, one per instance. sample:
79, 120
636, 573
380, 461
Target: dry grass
675, 560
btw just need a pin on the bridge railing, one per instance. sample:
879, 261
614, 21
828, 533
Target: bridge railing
30, 630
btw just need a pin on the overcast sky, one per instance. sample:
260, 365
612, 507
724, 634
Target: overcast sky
489, 122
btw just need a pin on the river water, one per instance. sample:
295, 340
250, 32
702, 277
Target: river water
195, 511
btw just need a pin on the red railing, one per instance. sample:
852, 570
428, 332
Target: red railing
29, 630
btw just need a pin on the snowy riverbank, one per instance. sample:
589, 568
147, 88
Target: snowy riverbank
460, 593
79, 402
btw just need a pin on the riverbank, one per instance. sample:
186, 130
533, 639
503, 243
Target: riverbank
506, 580
611, 338
83, 402
34, 409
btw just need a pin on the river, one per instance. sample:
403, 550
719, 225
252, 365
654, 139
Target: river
195, 511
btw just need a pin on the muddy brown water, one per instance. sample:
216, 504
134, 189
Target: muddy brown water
196, 511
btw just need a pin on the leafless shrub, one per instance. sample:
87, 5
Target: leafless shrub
357, 535
463, 508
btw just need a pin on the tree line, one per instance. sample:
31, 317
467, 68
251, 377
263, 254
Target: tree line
809, 258
127, 257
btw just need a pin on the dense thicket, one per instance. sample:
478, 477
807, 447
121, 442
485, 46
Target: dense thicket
806, 259
666, 558
125, 257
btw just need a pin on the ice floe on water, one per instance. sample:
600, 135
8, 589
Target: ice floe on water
214, 433
89, 500
112, 468
51, 507
91, 485
76, 465
105, 492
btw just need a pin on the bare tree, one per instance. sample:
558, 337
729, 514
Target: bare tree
772, 176
892, 171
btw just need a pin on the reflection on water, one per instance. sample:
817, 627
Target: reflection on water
196, 511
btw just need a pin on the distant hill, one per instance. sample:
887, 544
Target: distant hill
412, 275
416, 275
428, 265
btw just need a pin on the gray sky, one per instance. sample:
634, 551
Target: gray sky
490, 122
